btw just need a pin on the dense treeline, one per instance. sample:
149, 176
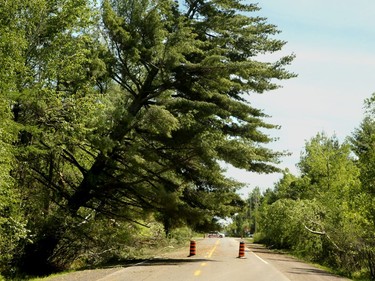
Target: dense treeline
327, 213
116, 115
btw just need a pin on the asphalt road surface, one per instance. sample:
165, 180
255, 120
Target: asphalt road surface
216, 259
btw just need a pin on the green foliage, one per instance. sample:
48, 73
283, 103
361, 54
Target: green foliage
182, 104
329, 167
283, 225
362, 142
12, 224
245, 221
120, 113
320, 214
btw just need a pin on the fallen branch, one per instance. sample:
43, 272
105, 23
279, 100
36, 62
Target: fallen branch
314, 231
326, 235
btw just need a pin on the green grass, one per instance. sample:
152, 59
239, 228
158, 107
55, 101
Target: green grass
48, 277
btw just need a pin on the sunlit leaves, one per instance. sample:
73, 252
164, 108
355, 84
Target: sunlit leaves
130, 115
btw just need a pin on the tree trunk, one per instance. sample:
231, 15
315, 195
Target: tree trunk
94, 178
36, 257
167, 226
91, 182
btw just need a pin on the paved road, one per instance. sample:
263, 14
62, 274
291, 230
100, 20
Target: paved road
216, 259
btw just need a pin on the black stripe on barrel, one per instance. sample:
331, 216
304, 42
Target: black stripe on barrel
193, 248
241, 253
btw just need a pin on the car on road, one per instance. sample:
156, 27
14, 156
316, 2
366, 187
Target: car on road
216, 234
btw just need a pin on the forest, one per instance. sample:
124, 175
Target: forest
116, 117
326, 214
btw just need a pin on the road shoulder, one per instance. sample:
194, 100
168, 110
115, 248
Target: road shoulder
291, 267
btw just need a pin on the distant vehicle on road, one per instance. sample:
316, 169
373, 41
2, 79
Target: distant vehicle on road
216, 234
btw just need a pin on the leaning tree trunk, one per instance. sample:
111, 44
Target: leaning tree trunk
36, 257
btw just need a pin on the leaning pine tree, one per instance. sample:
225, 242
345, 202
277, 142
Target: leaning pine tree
184, 71
172, 105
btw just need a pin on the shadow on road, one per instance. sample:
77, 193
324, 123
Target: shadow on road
154, 262
292, 267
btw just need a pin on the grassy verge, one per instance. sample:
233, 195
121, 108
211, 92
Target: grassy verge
147, 252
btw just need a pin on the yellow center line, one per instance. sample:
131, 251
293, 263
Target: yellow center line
213, 249
197, 273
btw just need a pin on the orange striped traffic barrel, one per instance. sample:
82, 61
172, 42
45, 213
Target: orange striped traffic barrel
241, 253
193, 248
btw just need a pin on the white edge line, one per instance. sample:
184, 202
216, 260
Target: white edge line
121, 270
260, 258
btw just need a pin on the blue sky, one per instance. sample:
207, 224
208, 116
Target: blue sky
334, 44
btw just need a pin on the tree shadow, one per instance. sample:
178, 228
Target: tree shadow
257, 248
282, 259
277, 256
311, 271
153, 262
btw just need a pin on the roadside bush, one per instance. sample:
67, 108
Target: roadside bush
104, 241
180, 235
284, 225
276, 224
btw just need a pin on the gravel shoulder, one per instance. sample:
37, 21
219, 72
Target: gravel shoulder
292, 268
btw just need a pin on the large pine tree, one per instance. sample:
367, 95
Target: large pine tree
183, 78
137, 121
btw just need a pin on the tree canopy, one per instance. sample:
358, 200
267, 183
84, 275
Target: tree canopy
325, 214
125, 110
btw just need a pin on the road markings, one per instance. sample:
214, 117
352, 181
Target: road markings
260, 258
213, 249
197, 273
120, 271
209, 255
